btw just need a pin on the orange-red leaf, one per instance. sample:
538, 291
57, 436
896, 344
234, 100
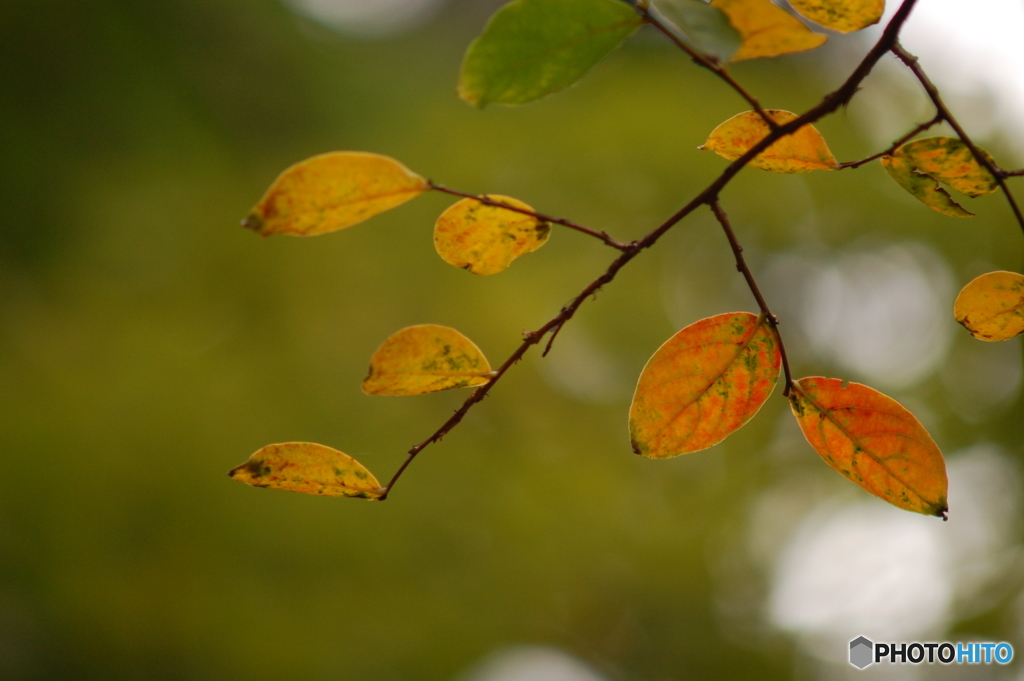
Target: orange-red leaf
872, 440
308, 468
703, 384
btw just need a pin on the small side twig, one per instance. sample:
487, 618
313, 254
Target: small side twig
939, 117
654, 20
603, 236
742, 268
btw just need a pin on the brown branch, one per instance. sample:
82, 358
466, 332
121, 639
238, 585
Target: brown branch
703, 61
830, 103
742, 268
939, 117
1012, 173
933, 94
603, 236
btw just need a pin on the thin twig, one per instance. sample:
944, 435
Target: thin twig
741, 267
939, 117
933, 94
1013, 173
603, 236
830, 103
654, 20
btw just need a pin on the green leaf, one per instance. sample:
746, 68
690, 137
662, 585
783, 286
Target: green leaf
706, 26
949, 160
532, 48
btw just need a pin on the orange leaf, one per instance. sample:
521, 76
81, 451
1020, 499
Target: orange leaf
308, 468
332, 191
703, 384
800, 152
992, 306
872, 440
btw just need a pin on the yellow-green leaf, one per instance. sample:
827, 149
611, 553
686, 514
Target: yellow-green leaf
844, 16
485, 239
992, 306
767, 29
872, 440
332, 191
424, 359
308, 468
801, 152
949, 160
923, 187
703, 384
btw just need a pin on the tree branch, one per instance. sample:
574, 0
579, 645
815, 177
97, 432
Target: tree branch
933, 94
654, 20
742, 268
829, 104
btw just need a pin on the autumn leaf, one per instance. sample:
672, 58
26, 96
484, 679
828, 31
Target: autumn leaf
949, 160
923, 187
872, 440
705, 25
485, 239
703, 384
844, 16
424, 359
308, 468
801, 152
767, 30
332, 191
532, 48
992, 306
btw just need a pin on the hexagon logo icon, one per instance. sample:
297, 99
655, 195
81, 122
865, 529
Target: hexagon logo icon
861, 652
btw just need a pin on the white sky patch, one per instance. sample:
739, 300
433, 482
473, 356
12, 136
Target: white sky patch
368, 18
870, 569
971, 48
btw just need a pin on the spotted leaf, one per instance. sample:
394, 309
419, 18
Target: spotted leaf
424, 359
308, 468
872, 440
992, 306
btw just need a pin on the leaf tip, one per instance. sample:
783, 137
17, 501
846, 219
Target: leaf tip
254, 222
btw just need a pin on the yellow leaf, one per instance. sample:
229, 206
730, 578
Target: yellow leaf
703, 384
425, 359
949, 160
923, 187
801, 152
767, 30
844, 16
486, 239
872, 440
332, 191
992, 306
308, 468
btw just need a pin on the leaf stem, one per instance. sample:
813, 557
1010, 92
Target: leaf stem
603, 236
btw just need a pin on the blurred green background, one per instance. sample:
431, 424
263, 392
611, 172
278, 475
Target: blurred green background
148, 345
